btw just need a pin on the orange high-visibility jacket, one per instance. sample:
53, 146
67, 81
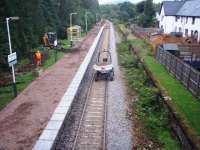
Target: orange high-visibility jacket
38, 56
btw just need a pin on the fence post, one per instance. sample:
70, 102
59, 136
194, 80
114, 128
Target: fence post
165, 60
161, 56
197, 92
188, 81
170, 63
175, 67
181, 76
157, 54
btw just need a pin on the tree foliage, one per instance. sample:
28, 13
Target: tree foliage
140, 7
141, 13
148, 13
36, 18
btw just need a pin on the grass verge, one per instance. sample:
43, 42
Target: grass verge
184, 102
149, 107
65, 43
6, 92
53, 57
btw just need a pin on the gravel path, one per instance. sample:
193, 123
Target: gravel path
23, 120
119, 128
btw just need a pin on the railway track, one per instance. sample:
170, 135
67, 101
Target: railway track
91, 133
84, 128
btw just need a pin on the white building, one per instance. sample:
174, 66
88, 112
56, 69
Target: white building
181, 16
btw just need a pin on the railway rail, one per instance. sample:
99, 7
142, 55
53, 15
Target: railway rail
84, 129
91, 131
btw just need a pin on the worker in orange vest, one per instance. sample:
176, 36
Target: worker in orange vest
38, 58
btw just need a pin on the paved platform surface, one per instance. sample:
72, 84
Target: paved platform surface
23, 120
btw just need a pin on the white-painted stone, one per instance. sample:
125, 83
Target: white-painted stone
58, 117
61, 110
43, 145
49, 135
53, 125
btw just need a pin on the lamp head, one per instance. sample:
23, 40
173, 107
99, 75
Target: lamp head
14, 18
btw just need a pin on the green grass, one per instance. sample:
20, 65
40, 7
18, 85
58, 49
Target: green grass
149, 107
23, 62
185, 103
52, 54
83, 34
65, 43
6, 93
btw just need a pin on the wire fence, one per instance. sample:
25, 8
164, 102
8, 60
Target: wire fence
182, 71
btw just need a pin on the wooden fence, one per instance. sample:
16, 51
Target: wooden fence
189, 76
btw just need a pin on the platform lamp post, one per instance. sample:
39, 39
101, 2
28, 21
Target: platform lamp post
10, 47
71, 14
86, 22
96, 18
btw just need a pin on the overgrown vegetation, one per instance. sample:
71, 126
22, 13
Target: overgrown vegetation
38, 17
149, 107
183, 100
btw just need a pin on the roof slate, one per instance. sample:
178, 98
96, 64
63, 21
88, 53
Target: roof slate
172, 7
190, 8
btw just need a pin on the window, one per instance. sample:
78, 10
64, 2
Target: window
193, 20
181, 19
186, 32
175, 29
186, 19
195, 35
180, 30
162, 18
177, 17
192, 32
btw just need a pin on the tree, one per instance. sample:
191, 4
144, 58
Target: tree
148, 13
36, 18
140, 7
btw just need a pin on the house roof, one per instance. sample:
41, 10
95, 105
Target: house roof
190, 8
172, 7
170, 46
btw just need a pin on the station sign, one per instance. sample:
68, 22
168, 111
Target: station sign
12, 59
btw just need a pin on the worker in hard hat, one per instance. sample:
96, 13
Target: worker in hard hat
38, 58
